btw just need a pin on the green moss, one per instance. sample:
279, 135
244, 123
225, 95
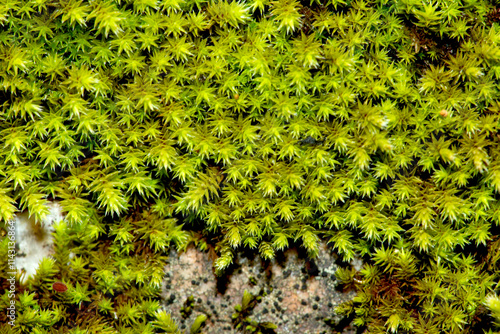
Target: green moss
372, 125
241, 316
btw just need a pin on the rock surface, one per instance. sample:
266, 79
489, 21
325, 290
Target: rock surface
297, 294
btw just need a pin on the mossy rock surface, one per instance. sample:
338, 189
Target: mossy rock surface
260, 126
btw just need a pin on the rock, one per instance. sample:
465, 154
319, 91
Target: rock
282, 300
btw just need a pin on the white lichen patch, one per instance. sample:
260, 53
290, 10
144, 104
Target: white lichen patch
34, 240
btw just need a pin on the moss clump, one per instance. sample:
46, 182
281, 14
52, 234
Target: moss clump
155, 124
242, 320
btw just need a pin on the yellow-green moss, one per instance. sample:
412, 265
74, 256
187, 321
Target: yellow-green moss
372, 124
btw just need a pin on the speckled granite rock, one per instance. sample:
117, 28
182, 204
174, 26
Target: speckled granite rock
297, 294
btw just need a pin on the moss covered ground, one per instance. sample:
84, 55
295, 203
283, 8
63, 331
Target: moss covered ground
252, 126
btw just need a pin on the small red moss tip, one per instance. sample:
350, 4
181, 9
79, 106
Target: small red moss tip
59, 287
